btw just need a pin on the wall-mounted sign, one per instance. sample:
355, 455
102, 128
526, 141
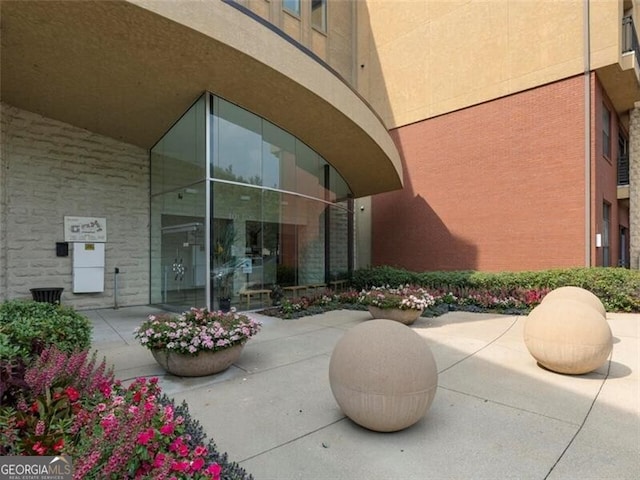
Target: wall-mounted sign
85, 229
247, 265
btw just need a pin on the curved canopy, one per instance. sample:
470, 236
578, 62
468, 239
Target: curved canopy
128, 70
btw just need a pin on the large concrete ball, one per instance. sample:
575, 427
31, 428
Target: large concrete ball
383, 375
568, 336
579, 294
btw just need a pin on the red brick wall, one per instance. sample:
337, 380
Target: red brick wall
495, 187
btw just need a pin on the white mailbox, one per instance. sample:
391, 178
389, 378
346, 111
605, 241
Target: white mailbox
88, 267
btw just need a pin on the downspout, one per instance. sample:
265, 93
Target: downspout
587, 136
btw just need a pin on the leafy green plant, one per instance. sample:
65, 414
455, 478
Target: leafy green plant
23, 322
617, 288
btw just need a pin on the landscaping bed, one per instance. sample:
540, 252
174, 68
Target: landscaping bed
57, 399
505, 293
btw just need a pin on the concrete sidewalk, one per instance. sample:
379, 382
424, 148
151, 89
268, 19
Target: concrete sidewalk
496, 414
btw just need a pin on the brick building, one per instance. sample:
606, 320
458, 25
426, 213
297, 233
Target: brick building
514, 121
232, 145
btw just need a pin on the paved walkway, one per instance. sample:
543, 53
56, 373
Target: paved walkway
496, 414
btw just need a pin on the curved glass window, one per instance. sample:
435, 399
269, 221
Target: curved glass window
256, 209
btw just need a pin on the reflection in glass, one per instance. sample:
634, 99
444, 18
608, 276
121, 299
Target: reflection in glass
178, 159
237, 144
272, 221
319, 14
178, 250
292, 6
339, 241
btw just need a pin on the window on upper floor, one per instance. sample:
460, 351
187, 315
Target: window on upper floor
292, 6
319, 14
606, 131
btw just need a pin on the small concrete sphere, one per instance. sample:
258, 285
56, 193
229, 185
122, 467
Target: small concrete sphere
383, 375
579, 294
568, 336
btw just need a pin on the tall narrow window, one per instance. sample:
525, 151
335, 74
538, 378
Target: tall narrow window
319, 14
292, 6
623, 160
606, 229
606, 131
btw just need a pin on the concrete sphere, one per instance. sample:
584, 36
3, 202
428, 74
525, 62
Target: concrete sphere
579, 294
383, 375
568, 336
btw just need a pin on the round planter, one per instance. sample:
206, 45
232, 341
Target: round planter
403, 316
202, 364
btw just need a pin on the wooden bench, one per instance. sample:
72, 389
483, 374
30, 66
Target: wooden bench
294, 289
311, 288
251, 293
315, 286
337, 285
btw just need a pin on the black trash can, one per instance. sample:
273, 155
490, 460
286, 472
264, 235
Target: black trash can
47, 295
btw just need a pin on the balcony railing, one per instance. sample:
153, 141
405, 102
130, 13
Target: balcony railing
623, 170
630, 38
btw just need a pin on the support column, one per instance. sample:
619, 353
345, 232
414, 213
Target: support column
634, 187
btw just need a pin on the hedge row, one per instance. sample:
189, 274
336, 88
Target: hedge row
618, 288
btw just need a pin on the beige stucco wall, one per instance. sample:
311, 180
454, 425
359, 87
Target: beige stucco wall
418, 59
52, 169
336, 46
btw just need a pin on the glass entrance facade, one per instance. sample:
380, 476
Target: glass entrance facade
239, 205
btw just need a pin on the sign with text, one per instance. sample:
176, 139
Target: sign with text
36, 468
85, 229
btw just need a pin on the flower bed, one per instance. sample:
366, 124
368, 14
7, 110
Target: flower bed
65, 404
518, 301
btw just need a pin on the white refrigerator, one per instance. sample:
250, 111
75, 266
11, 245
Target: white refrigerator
88, 267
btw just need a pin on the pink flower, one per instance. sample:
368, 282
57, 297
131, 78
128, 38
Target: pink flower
105, 389
167, 429
39, 448
108, 421
72, 393
199, 451
144, 437
176, 444
101, 407
40, 428
183, 450
59, 445
168, 413
159, 460
179, 466
197, 464
214, 470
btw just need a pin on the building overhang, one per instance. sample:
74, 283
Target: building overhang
129, 69
621, 81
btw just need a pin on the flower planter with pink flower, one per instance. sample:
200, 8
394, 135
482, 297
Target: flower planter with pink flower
197, 342
403, 304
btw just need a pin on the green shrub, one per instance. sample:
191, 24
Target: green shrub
23, 324
617, 288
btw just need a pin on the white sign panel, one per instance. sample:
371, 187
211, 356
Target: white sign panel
85, 229
247, 266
